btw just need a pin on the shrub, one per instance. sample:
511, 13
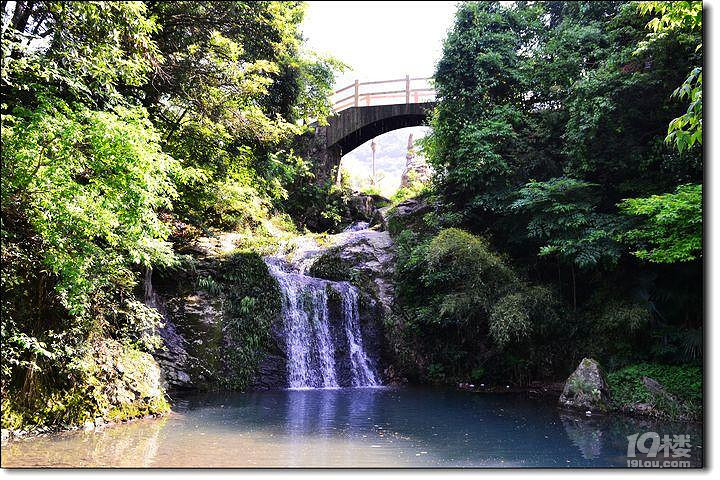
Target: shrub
462, 302
683, 382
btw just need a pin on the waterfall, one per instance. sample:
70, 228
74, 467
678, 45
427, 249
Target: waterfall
362, 372
308, 325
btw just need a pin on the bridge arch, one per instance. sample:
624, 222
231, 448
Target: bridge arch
369, 111
357, 125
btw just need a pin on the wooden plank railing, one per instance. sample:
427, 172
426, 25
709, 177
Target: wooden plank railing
384, 92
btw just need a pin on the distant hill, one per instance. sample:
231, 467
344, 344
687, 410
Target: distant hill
390, 152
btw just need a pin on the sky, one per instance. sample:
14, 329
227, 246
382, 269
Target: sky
380, 41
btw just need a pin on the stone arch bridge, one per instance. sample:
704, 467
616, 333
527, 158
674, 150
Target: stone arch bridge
362, 111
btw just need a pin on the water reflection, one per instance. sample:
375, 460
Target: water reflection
351, 427
584, 434
132, 445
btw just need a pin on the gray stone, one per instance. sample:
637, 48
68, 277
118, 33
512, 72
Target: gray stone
407, 214
416, 168
586, 388
363, 206
372, 253
658, 390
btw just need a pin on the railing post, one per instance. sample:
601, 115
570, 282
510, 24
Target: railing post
407, 89
357, 93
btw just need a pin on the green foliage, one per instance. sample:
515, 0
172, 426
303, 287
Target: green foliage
563, 213
89, 51
111, 381
317, 206
89, 183
123, 121
549, 115
455, 292
230, 96
548, 140
517, 316
251, 303
416, 189
686, 129
682, 382
671, 228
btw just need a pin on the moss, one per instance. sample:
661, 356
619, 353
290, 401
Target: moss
684, 383
137, 409
331, 267
251, 303
10, 418
333, 294
112, 381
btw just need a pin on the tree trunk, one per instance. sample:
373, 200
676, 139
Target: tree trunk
572, 272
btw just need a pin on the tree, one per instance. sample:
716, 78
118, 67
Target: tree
563, 214
87, 51
685, 130
672, 222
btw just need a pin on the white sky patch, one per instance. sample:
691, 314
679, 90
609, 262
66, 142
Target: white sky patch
380, 40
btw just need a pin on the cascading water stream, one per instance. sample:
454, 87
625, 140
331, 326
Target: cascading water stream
363, 374
308, 325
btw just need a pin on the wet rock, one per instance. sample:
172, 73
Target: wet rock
272, 373
366, 258
363, 206
586, 388
190, 340
658, 390
407, 214
380, 218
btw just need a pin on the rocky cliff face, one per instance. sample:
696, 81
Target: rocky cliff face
416, 168
197, 350
198, 343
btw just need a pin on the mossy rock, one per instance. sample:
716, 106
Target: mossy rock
408, 214
251, 302
331, 266
113, 382
586, 388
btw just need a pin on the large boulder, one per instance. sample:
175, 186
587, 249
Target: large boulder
363, 206
408, 214
366, 258
586, 388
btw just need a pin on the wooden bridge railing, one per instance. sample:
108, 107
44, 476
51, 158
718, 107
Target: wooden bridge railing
384, 92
